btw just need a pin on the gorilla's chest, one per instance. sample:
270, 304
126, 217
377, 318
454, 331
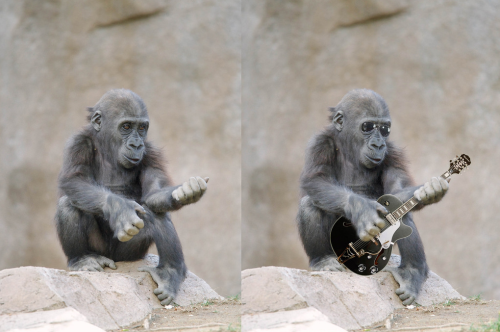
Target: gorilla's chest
366, 184
122, 183
371, 190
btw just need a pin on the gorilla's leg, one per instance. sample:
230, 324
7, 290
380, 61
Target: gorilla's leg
171, 270
81, 239
314, 228
413, 270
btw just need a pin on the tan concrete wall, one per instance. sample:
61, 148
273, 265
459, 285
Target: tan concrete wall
437, 65
182, 57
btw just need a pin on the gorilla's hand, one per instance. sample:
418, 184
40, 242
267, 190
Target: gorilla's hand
122, 216
190, 191
365, 214
432, 191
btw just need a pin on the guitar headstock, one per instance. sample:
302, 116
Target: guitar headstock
458, 164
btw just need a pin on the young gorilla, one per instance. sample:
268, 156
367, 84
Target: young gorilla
348, 166
116, 196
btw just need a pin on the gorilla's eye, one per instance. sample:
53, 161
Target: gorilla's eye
142, 127
126, 126
367, 127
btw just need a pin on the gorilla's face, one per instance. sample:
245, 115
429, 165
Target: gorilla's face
363, 123
122, 122
131, 132
373, 133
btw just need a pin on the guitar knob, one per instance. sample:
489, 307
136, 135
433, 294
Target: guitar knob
361, 267
373, 269
386, 203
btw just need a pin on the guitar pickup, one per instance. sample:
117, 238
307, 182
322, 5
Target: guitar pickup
390, 218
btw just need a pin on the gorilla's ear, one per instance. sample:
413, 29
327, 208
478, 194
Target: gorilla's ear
338, 120
95, 120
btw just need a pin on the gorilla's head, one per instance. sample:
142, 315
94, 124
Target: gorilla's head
121, 120
362, 123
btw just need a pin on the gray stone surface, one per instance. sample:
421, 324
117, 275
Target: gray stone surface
435, 63
348, 300
67, 319
308, 319
182, 57
107, 300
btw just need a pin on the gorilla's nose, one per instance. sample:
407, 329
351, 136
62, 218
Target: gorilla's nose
135, 144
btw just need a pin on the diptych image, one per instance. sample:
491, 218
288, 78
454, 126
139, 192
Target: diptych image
249, 166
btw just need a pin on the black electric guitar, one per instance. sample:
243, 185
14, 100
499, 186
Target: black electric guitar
370, 257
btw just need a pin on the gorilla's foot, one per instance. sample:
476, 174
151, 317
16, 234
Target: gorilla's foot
91, 262
328, 263
168, 280
410, 281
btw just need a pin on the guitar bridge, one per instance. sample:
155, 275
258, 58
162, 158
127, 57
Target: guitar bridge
346, 255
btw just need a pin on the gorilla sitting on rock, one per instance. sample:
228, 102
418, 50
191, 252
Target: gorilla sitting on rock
116, 196
348, 166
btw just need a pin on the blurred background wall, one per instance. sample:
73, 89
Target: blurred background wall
182, 57
437, 65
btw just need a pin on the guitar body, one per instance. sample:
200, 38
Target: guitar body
373, 257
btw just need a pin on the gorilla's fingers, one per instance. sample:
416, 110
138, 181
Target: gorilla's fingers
380, 223
180, 194
364, 236
202, 183
123, 237
193, 183
110, 264
139, 208
162, 296
138, 222
382, 209
418, 194
399, 291
373, 230
409, 300
131, 230
429, 191
187, 191
167, 301
404, 296
436, 185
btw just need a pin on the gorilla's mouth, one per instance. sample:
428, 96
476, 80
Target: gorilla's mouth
132, 160
375, 160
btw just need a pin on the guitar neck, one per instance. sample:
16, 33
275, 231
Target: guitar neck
412, 202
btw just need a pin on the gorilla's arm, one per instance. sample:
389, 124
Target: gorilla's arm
318, 181
397, 181
78, 183
158, 193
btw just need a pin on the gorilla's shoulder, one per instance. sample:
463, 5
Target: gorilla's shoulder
321, 149
82, 141
153, 157
324, 141
396, 157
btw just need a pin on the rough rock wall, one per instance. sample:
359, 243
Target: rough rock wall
435, 63
182, 57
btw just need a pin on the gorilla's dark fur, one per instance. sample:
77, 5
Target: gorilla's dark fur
346, 170
116, 195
